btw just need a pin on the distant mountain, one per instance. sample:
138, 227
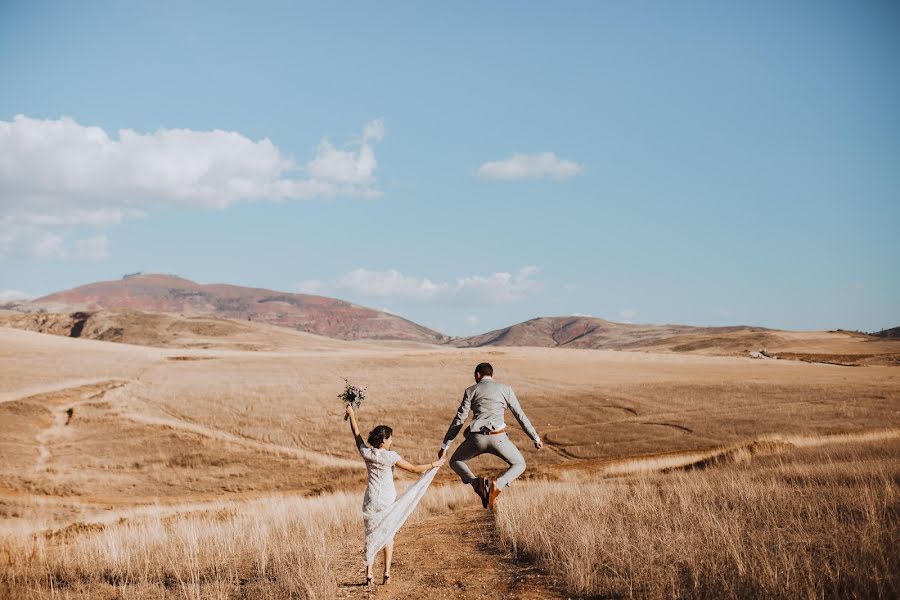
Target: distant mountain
589, 332
892, 333
132, 295
834, 347
171, 294
168, 330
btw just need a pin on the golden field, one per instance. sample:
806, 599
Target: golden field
808, 523
143, 472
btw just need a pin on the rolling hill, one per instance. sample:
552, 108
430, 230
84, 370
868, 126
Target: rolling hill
134, 310
589, 332
171, 294
839, 347
892, 333
167, 330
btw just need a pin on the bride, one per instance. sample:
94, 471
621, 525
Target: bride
383, 512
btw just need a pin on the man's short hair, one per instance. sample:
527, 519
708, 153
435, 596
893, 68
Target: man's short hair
485, 369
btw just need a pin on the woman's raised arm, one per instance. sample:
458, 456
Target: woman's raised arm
407, 466
354, 427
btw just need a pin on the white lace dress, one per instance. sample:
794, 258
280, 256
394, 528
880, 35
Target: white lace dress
383, 512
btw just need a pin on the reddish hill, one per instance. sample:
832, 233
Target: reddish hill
167, 330
170, 294
589, 332
838, 347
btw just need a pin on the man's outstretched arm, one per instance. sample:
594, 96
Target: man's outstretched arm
522, 418
456, 424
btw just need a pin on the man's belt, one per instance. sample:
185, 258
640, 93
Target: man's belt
498, 432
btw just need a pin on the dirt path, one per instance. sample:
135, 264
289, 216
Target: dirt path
456, 555
178, 422
62, 403
59, 387
599, 468
453, 555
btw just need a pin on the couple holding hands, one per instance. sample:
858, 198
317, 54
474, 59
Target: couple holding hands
384, 513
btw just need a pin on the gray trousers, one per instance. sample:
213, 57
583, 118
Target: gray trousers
499, 445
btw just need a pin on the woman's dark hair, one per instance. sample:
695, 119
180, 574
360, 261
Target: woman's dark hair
379, 434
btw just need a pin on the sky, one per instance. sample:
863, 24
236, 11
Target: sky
464, 165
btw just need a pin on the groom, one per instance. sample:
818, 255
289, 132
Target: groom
488, 401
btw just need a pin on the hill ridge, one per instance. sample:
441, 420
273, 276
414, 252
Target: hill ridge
164, 293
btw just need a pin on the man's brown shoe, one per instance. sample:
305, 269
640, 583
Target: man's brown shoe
493, 492
480, 487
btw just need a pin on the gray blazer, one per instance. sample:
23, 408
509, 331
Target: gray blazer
488, 401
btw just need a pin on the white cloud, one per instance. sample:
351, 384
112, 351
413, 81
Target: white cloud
374, 131
500, 287
11, 295
497, 288
723, 312
394, 284
352, 170
311, 286
44, 244
97, 218
332, 164
94, 248
627, 314
530, 166
59, 173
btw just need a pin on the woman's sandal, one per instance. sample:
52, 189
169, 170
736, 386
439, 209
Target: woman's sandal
370, 580
387, 578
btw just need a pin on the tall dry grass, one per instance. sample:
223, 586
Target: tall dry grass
287, 547
809, 524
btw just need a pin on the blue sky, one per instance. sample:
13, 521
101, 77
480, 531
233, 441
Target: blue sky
467, 166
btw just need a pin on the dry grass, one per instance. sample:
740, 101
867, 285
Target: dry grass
272, 548
809, 524
206, 460
278, 548
252, 423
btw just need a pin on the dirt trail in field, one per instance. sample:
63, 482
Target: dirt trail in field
61, 388
457, 555
62, 403
181, 423
600, 468
453, 555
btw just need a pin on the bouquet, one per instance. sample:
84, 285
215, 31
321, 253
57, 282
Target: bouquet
352, 395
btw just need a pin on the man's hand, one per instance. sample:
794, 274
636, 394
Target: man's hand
441, 453
539, 444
